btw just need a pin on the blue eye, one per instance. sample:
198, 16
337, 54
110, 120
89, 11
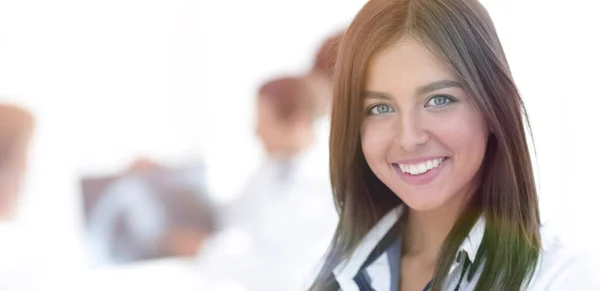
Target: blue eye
380, 109
440, 101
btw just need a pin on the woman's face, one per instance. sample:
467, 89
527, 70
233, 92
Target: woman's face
422, 135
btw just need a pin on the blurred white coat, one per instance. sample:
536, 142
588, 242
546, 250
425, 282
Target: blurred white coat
275, 235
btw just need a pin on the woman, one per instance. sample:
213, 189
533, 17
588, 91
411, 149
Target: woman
429, 160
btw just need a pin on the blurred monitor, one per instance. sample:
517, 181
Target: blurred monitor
143, 215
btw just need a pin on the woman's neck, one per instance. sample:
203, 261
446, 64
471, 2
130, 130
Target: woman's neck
426, 231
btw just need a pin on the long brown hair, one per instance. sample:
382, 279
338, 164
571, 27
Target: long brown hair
461, 33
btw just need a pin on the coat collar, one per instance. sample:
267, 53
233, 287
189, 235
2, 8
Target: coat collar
346, 272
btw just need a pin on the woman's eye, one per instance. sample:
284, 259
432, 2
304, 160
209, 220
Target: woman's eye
439, 101
380, 109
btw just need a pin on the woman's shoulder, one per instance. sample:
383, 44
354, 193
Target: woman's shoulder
563, 265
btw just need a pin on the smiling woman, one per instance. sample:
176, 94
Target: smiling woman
430, 166
428, 119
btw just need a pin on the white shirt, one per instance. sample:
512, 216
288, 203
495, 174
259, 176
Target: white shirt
559, 267
277, 232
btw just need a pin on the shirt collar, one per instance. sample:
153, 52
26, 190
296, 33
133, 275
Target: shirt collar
350, 267
347, 270
471, 244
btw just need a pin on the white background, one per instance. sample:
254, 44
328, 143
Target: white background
175, 79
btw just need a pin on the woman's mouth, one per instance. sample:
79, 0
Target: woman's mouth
421, 167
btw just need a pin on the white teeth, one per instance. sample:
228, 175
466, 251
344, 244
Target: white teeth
413, 169
420, 168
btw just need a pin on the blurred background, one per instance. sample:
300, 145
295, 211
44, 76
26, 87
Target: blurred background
112, 83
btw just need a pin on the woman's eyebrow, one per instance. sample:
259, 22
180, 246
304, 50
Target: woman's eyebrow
437, 86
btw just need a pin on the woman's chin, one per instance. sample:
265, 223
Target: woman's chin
424, 202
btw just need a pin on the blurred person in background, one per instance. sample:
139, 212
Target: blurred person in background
20, 268
283, 221
16, 128
321, 74
149, 213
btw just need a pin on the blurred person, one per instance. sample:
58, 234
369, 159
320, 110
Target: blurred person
321, 74
283, 221
149, 213
16, 129
430, 164
285, 112
20, 264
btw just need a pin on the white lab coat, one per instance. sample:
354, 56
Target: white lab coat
276, 233
559, 267
20, 261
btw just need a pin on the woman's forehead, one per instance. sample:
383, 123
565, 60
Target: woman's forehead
409, 64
